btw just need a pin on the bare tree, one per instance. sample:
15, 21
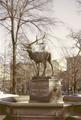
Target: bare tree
74, 62
73, 69
71, 77
18, 14
77, 37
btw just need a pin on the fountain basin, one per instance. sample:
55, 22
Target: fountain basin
22, 110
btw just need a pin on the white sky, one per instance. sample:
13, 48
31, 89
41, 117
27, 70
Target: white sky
68, 12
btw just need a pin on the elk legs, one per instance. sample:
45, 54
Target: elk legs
44, 69
38, 67
51, 66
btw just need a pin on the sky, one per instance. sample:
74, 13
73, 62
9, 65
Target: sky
66, 11
69, 12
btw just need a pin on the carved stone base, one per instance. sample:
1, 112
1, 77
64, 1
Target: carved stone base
42, 89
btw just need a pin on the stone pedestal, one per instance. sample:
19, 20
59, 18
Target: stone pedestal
44, 89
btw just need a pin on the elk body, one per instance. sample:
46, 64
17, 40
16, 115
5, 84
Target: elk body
40, 57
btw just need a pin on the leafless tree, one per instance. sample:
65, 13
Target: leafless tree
17, 14
77, 37
74, 62
74, 72
71, 77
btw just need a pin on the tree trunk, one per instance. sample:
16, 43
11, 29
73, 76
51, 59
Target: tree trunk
14, 69
14, 49
74, 87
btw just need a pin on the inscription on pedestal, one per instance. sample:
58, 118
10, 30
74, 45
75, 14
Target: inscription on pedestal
41, 88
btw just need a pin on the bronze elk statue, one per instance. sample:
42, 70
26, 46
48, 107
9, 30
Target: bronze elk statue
39, 57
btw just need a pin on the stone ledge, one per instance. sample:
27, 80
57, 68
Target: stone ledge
19, 104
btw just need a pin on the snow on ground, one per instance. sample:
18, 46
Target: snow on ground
3, 95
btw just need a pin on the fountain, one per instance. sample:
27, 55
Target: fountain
44, 101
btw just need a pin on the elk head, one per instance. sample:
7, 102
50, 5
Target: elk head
27, 47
